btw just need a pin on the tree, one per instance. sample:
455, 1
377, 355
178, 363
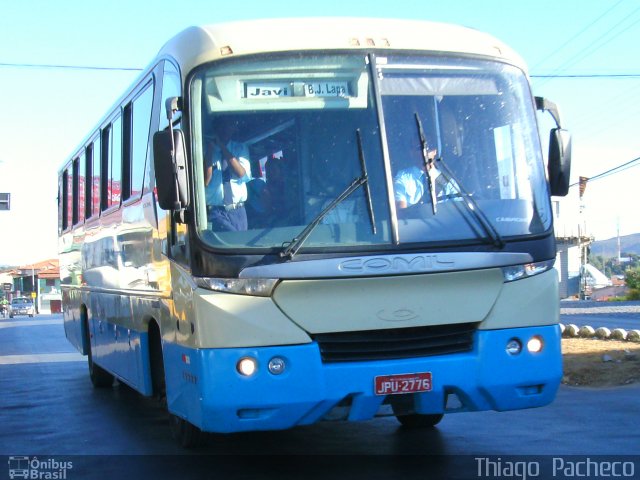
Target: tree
632, 278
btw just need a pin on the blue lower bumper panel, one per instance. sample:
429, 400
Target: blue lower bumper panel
204, 386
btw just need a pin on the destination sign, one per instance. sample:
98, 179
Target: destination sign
266, 90
326, 89
274, 90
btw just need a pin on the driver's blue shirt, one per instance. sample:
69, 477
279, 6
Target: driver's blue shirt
225, 187
410, 183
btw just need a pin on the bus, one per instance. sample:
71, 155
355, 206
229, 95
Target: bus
293, 220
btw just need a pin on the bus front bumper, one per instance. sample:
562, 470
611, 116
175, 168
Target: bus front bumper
205, 387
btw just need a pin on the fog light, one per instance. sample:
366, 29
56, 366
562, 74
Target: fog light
534, 345
276, 365
247, 366
514, 347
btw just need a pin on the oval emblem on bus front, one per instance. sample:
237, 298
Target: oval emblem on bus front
400, 315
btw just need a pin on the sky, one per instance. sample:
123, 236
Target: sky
589, 47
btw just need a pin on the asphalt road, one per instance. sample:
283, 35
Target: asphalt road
49, 411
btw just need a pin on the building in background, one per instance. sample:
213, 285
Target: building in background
570, 257
41, 281
572, 243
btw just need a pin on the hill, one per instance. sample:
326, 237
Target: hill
609, 248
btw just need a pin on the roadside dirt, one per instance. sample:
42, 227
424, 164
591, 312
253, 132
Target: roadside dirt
600, 363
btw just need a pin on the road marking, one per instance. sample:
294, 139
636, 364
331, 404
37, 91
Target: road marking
29, 323
611, 309
41, 358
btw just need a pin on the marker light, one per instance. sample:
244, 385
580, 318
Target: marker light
514, 347
534, 345
277, 365
247, 366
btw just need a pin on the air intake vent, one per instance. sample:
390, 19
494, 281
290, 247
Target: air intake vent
396, 343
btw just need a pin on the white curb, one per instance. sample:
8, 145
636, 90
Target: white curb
603, 333
587, 332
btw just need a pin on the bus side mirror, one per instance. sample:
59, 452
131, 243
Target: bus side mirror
169, 158
559, 167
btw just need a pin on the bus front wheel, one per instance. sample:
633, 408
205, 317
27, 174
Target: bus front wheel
186, 433
416, 420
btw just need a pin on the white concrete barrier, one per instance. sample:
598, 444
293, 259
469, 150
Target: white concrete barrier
633, 336
587, 331
619, 334
572, 330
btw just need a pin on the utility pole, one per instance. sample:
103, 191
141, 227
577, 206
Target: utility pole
619, 253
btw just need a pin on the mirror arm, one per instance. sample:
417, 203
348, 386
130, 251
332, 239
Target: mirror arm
180, 216
545, 104
172, 105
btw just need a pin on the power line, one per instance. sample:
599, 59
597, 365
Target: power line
610, 112
588, 75
561, 47
68, 67
611, 171
602, 40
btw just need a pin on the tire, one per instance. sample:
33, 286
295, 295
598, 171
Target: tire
186, 433
100, 378
417, 420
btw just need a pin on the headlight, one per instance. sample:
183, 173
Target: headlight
260, 287
518, 272
535, 344
247, 366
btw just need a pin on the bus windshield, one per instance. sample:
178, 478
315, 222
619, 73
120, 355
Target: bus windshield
450, 149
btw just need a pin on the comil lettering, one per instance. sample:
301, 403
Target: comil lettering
394, 264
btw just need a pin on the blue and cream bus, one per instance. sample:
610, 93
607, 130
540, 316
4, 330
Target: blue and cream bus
335, 300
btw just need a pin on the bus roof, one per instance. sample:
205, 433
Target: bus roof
201, 44
197, 45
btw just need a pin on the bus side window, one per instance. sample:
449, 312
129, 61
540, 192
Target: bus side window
79, 166
88, 191
137, 119
96, 162
105, 159
116, 162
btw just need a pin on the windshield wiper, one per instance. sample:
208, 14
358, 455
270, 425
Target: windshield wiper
471, 205
468, 201
431, 181
365, 176
296, 243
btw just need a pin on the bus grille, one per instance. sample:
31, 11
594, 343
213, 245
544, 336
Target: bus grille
396, 343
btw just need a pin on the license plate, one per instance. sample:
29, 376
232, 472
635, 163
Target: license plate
403, 383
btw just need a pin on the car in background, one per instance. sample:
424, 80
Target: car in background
21, 306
